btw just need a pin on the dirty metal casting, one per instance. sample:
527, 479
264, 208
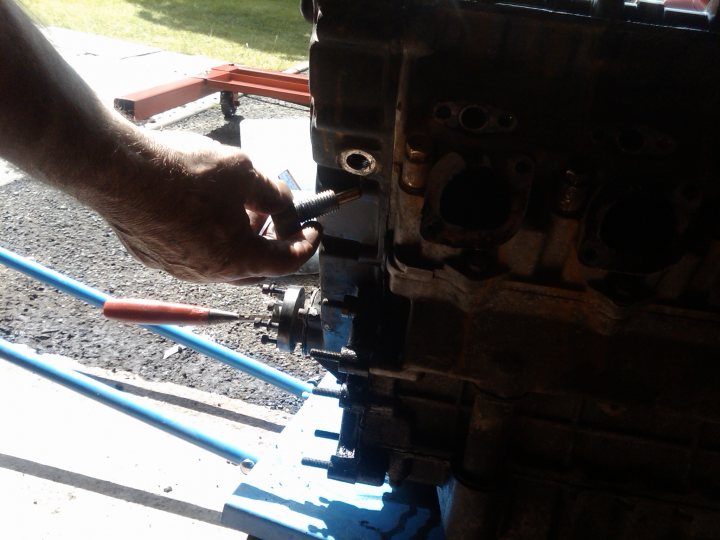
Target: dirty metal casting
523, 308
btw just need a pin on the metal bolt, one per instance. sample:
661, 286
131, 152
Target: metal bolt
330, 435
265, 323
327, 392
265, 339
325, 355
324, 202
418, 147
345, 355
317, 463
289, 221
273, 289
573, 193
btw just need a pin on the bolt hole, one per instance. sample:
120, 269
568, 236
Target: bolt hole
630, 141
473, 118
443, 112
357, 162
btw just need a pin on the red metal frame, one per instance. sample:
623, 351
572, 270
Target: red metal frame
229, 77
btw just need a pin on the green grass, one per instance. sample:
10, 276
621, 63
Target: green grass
260, 33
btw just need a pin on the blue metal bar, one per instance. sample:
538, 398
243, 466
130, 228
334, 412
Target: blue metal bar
51, 277
202, 345
235, 359
119, 401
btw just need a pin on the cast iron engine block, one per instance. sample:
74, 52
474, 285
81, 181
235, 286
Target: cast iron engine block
524, 304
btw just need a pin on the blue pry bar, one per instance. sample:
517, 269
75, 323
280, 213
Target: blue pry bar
202, 345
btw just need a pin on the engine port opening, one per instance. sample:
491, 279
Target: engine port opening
477, 199
473, 118
357, 162
630, 141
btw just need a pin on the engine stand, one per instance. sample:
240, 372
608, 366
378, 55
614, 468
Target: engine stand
283, 499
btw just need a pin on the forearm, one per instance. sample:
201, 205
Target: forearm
185, 204
53, 125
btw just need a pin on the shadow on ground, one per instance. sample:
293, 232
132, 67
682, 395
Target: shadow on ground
110, 489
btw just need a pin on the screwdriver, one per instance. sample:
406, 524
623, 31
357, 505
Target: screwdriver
145, 311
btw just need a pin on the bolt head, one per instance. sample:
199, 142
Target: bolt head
265, 340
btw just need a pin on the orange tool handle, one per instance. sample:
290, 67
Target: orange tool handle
154, 312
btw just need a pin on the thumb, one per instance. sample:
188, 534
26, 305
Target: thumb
264, 195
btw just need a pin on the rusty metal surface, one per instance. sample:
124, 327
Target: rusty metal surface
145, 103
291, 87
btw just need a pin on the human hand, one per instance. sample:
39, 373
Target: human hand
182, 203
196, 209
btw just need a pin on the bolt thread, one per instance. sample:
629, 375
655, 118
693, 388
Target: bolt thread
323, 203
317, 463
325, 355
330, 435
272, 289
327, 392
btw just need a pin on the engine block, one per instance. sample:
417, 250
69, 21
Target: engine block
524, 304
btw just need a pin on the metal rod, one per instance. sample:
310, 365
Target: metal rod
121, 402
51, 277
202, 345
235, 359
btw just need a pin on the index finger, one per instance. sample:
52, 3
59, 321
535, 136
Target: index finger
281, 257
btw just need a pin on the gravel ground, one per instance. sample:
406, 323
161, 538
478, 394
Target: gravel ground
53, 229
